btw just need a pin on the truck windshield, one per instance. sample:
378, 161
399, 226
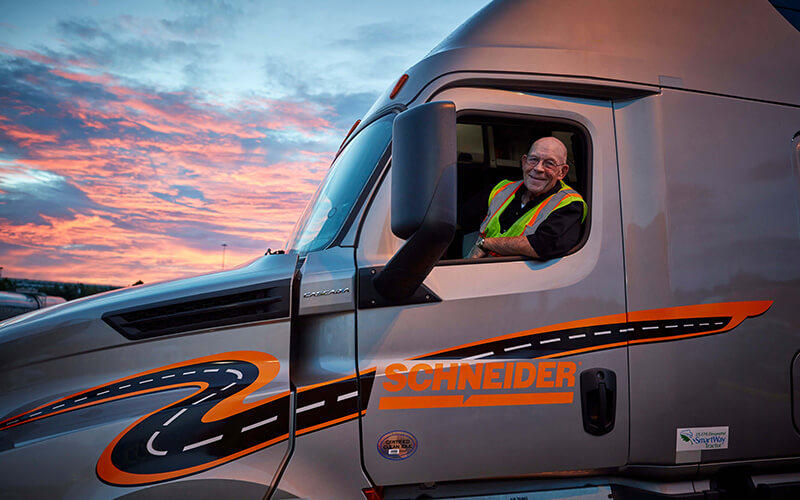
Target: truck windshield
347, 177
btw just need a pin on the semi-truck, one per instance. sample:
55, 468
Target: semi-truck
25, 300
371, 359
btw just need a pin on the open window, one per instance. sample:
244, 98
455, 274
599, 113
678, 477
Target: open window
490, 148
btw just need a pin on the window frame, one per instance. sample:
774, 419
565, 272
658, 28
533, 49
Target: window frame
496, 118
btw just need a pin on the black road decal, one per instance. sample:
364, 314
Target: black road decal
212, 426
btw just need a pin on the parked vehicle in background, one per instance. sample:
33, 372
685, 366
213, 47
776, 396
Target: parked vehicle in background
12, 304
660, 357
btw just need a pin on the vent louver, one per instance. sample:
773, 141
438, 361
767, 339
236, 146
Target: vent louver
229, 307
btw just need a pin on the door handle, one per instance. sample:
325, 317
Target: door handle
598, 400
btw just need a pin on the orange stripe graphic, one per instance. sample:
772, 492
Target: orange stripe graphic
598, 321
478, 400
737, 311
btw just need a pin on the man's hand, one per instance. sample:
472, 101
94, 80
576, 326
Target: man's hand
476, 253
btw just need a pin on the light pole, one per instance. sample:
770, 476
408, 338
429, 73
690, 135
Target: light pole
224, 245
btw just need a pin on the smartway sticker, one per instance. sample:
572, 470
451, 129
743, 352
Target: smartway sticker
701, 438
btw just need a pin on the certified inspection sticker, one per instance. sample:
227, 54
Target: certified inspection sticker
397, 445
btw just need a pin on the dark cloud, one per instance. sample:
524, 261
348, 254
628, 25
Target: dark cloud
188, 192
205, 18
128, 44
28, 197
177, 199
297, 83
378, 37
284, 77
86, 29
102, 169
349, 107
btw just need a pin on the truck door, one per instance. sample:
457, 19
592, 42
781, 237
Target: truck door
504, 366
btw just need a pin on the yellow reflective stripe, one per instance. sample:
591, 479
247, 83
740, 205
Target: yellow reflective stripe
572, 198
500, 185
539, 209
502, 205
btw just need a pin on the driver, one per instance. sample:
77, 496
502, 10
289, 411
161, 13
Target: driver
539, 216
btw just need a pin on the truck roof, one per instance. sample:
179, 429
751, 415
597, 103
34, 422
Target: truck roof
741, 49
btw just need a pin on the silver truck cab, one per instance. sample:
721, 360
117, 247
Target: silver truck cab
657, 358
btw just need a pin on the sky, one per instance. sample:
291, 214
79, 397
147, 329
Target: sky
136, 138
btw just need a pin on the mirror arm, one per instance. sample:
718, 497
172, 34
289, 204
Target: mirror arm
409, 267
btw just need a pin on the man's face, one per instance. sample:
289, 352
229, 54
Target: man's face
544, 165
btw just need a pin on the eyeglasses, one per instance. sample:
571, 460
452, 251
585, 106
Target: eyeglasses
534, 160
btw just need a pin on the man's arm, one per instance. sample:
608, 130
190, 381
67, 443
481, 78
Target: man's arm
555, 237
515, 245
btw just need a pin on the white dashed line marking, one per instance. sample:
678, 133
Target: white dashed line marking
168, 376
37, 413
649, 328
671, 326
201, 400
152, 450
211, 370
228, 386
704, 324
235, 372
174, 417
479, 356
124, 386
580, 336
626, 330
202, 443
689, 324
718, 323
347, 396
59, 406
146, 381
190, 373
13, 422
604, 332
523, 346
259, 424
80, 399
311, 407
548, 341
103, 392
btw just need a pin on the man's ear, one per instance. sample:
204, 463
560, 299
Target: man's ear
564, 170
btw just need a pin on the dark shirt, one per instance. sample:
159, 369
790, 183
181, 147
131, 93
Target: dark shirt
557, 234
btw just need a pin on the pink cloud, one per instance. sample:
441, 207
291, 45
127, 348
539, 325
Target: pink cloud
168, 177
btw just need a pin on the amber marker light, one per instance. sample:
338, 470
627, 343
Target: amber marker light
347, 137
399, 85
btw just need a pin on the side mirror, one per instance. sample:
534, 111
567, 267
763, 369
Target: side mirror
423, 195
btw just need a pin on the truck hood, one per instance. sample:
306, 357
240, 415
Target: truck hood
77, 326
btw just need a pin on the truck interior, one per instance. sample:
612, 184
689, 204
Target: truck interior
490, 149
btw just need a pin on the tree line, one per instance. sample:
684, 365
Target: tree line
68, 291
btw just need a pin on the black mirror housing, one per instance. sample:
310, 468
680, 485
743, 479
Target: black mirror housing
423, 148
423, 195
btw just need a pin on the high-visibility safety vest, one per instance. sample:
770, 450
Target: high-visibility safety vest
504, 192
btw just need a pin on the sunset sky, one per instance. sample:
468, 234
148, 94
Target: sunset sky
138, 137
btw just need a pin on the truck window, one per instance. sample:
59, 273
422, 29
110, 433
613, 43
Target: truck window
490, 150
326, 213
